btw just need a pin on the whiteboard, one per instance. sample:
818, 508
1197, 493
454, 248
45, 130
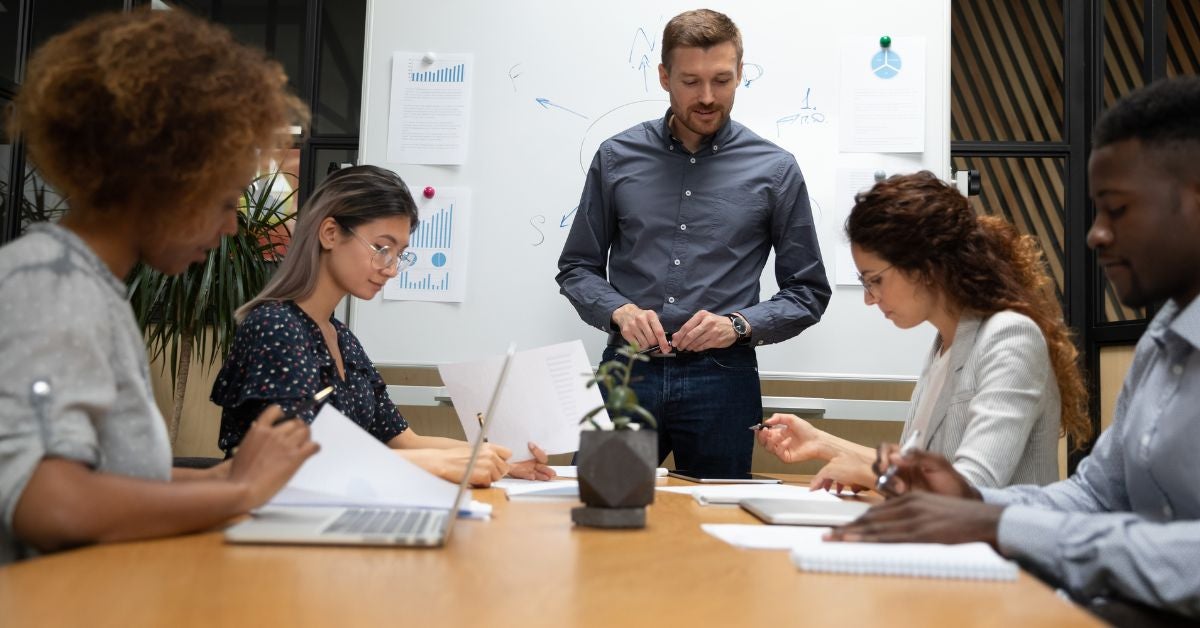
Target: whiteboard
595, 65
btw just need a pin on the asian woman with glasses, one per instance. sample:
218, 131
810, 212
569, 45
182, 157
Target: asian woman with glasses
349, 239
1001, 383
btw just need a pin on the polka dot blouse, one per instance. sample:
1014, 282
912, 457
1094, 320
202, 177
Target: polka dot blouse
279, 356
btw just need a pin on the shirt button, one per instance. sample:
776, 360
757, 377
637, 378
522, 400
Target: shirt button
1145, 440
715, 147
670, 299
1167, 511
671, 148
687, 193
683, 227
676, 262
693, 160
1177, 369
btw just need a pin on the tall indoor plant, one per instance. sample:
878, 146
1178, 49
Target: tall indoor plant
192, 313
617, 460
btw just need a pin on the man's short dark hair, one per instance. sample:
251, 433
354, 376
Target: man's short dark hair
1164, 112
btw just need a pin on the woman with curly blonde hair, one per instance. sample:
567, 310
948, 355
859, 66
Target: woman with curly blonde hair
1001, 383
151, 123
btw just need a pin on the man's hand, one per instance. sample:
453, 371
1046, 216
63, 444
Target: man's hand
705, 330
920, 517
641, 327
921, 471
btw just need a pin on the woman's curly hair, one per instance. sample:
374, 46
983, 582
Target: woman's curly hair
149, 110
925, 227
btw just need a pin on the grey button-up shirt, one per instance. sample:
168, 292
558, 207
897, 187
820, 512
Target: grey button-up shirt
1127, 524
676, 232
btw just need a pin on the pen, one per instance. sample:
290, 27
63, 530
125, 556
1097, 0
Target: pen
308, 404
479, 417
764, 426
907, 448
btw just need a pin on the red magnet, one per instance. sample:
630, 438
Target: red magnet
429, 191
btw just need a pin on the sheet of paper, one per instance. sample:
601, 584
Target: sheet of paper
757, 536
441, 245
430, 108
850, 181
882, 96
354, 469
543, 399
734, 493
573, 472
517, 488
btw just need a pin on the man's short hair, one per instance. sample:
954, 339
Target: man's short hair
1164, 114
701, 28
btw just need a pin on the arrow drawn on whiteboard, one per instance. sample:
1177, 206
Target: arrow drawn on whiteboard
645, 78
546, 104
568, 218
540, 219
513, 74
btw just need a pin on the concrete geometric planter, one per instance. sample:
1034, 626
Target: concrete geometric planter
616, 477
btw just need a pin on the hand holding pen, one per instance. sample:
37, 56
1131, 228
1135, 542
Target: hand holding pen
884, 483
919, 470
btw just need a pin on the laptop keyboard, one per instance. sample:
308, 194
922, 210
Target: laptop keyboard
387, 522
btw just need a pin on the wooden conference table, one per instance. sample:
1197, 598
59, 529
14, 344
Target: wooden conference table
527, 566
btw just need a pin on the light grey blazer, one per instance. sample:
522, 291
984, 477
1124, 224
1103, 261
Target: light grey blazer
997, 418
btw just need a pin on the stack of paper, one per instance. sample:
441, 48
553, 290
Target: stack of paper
757, 536
516, 489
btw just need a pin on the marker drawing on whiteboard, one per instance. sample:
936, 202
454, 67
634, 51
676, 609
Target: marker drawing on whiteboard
513, 74
751, 72
546, 104
534, 222
568, 218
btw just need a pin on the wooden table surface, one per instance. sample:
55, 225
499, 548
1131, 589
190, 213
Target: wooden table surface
527, 566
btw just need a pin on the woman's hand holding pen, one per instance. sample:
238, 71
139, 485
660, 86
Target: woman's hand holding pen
450, 464
534, 469
923, 471
269, 455
797, 441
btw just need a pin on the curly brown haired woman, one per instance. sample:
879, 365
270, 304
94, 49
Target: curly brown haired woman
1001, 383
152, 124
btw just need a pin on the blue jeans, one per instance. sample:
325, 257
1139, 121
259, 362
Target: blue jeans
704, 403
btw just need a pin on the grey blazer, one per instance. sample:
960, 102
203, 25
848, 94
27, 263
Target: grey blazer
997, 418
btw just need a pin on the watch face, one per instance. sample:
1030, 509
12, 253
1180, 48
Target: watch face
739, 325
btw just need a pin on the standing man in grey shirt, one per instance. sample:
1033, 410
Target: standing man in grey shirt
677, 218
1126, 526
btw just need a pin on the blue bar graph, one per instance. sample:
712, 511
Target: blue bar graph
434, 232
455, 74
424, 281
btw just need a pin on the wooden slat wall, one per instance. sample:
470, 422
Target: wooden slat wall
1183, 37
1006, 70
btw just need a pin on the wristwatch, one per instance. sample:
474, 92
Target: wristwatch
740, 327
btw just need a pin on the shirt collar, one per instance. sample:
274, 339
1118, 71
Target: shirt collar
1184, 323
712, 144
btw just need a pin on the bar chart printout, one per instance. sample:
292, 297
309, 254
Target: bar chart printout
430, 108
440, 246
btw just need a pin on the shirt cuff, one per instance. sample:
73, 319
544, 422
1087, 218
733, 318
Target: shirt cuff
997, 496
1031, 535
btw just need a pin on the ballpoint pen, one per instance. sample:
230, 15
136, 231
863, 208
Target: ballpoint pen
308, 404
479, 417
763, 426
907, 448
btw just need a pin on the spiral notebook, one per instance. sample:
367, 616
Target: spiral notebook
968, 561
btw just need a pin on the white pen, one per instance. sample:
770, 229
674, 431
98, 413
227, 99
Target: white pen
905, 449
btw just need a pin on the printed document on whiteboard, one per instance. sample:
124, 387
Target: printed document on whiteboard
882, 96
440, 245
430, 108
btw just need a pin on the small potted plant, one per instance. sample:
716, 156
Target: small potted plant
617, 458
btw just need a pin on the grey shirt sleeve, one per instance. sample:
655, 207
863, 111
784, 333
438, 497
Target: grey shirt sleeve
803, 287
38, 345
582, 267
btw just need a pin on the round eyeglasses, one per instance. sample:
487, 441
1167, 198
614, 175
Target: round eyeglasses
872, 283
385, 256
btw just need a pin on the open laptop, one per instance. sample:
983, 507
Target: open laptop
398, 526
